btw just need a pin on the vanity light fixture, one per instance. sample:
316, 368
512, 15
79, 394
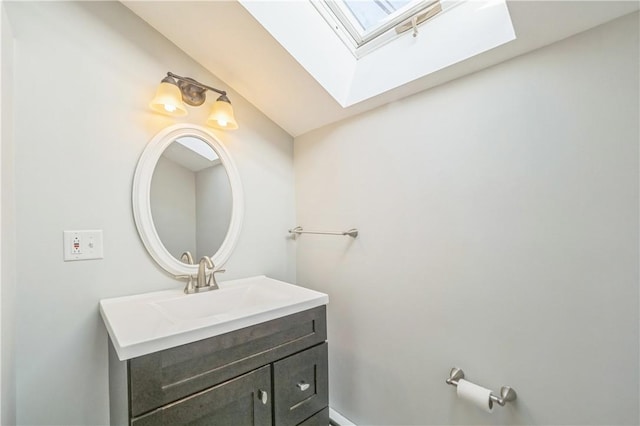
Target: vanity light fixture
174, 91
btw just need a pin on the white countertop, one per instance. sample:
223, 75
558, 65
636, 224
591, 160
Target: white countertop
150, 322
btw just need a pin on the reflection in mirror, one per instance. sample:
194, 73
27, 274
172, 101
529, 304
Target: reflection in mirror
190, 198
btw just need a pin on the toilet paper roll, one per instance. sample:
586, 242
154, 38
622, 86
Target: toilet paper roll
477, 395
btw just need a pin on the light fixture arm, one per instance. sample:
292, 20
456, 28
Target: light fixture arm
175, 91
193, 82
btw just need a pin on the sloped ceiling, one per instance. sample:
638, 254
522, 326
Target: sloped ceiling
224, 38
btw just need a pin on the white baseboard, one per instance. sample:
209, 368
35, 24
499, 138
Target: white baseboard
338, 419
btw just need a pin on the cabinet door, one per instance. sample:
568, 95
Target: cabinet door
300, 386
245, 400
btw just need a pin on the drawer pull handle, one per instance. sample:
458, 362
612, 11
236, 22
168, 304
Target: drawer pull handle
303, 386
263, 396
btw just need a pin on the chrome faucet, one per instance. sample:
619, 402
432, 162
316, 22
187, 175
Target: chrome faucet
203, 282
205, 262
188, 259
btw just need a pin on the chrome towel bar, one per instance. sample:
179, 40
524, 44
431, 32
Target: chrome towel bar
506, 393
298, 230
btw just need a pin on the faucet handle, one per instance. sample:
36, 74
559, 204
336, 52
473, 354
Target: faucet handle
212, 279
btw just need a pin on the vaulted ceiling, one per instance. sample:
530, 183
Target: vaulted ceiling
225, 38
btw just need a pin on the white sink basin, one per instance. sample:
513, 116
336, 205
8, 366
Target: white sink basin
146, 323
220, 304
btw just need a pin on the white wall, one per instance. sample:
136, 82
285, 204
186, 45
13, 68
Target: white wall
7, 230
173, 206
498, 219
85, 72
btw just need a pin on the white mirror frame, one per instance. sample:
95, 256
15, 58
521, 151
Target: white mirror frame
142, 202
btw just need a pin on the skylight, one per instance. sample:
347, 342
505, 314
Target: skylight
371, 14
191, 153
199, 147
370, 23
458, 30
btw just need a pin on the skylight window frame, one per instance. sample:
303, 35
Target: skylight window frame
199, 147
361, 42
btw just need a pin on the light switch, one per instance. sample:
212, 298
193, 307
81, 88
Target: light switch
82, 245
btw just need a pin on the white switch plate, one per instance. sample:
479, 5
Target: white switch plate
83, 245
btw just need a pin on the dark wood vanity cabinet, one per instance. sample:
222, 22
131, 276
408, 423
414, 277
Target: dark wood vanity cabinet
273, 373
300, 385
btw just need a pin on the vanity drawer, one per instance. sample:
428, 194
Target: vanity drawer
319, 419
166, 376
236, 402
300, 385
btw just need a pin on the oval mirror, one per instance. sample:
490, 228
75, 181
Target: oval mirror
187, 197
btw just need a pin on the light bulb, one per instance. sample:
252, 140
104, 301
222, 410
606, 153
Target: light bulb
168, 99
221, 115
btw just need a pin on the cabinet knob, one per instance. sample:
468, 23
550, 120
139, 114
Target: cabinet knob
303, 386
263, 396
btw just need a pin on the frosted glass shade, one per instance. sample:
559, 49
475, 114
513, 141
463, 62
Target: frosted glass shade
168, 100
221, 115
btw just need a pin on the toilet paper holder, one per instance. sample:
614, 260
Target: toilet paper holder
506, 392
